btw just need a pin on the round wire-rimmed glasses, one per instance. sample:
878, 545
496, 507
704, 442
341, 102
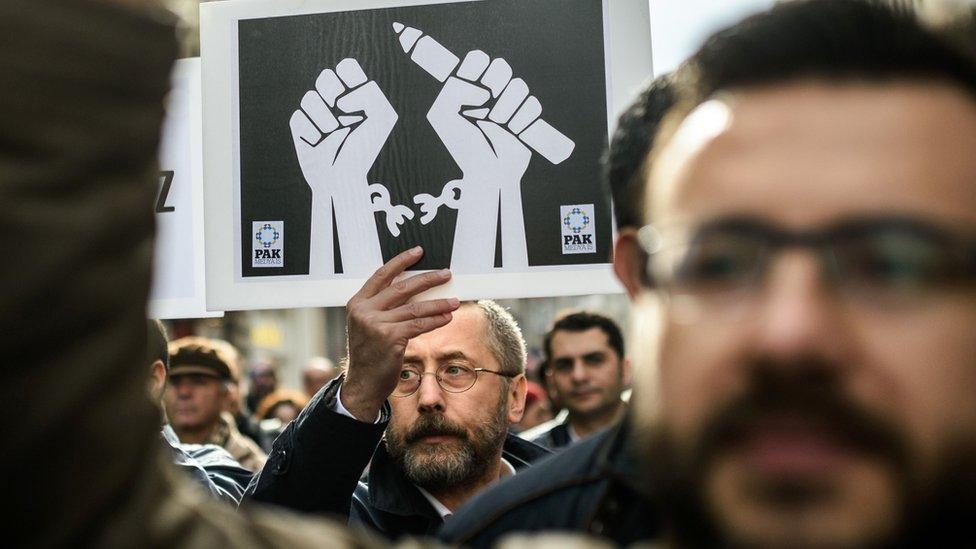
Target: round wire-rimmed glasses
453, 378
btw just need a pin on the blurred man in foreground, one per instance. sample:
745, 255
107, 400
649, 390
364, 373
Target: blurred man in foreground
81, 100
808, 280
588, 372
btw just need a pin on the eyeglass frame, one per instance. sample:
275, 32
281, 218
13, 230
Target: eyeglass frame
440, 384
650, 241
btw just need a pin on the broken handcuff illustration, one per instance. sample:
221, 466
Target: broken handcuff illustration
398, 214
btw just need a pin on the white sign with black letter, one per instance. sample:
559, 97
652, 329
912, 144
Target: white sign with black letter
179, 280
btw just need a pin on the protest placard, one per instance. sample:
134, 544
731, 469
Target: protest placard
340, 133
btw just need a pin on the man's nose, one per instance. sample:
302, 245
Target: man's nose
578, 374
181, 389
430, 396
799, 314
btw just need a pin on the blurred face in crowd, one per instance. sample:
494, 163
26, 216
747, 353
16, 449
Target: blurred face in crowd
318, 373
286, 412
444, 439
814, 339
264, 379
194, 401
586, 373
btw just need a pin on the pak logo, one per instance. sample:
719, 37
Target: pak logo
268, 244
578, 229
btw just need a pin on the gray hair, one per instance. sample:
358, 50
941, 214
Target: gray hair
504, 337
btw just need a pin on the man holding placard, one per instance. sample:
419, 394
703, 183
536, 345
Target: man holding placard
443, 379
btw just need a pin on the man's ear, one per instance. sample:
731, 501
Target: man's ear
157, 379
516, 399
628, 261
625, 372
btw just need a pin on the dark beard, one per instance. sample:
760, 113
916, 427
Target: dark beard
448, 466
932, 514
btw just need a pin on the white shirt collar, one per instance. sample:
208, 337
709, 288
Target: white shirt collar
442, 509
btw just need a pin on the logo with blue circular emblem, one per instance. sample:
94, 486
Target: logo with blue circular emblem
268, 247
267, 236
576, 220
578, 229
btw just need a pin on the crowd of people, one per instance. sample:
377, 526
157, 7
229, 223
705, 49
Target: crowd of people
796, 208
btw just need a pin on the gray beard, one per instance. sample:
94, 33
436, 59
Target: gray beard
453, 466
439, 469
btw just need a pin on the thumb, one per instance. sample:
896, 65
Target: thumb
502, 141
458, 93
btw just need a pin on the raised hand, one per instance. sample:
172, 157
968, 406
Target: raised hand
338, 132
380, 321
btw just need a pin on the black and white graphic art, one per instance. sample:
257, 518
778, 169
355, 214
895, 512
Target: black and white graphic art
338, 133
462, 127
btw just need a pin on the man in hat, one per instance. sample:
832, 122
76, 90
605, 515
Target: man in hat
200, 370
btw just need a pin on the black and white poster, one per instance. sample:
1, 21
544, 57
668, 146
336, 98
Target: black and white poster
347, 132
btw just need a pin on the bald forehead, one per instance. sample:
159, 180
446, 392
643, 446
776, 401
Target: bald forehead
798, 152
467, 326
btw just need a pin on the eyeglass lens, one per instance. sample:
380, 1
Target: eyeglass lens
451, 377
889, 259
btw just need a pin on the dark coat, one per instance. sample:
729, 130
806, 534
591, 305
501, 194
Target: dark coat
210, 466
554, 438
316, 464
591, 486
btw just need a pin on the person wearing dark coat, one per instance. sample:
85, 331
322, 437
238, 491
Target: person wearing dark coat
306, 458
553, 434
442, 405
587, 372
764, 411
209, 466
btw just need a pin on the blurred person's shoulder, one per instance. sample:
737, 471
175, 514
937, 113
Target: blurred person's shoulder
556, 493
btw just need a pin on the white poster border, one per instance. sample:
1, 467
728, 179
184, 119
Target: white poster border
226, 289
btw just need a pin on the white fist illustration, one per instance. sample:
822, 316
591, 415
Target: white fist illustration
481, 139
338, 132
484, 142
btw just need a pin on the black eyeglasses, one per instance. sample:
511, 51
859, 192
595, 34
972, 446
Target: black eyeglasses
893, 258
453, 378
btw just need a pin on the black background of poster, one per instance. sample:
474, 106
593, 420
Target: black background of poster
556, 46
